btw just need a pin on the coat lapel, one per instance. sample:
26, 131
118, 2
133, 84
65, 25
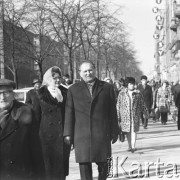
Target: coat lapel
97, 89
84, 89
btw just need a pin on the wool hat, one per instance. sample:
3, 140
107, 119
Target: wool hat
143, 77
7, 83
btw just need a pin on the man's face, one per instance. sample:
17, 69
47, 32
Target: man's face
6, 97
144, 81
87, 72
131, 86
37, 85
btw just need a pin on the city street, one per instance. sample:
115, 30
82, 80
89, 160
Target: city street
157, 144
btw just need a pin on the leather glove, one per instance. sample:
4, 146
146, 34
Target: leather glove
114, 138
68, 140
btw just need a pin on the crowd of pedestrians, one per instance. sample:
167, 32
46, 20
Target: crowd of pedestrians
36, 138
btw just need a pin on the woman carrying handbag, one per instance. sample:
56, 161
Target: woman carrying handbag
130, 106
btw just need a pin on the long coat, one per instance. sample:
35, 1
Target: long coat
91, 121
163, 99
32, 99
177, 103
130, 111
147, 95
55, 151
20, 150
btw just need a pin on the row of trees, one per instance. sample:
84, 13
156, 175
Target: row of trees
85, 28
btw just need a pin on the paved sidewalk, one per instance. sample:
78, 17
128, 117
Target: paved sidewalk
157, 144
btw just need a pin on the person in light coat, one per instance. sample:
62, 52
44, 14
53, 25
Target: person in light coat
130, 106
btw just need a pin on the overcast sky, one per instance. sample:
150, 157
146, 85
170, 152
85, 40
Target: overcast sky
138, 15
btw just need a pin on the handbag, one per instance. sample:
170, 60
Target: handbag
121, 134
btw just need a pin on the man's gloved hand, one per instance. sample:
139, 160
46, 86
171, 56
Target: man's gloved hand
114, 138
68, 140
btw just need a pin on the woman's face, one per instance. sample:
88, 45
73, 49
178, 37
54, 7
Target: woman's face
117, 85
131, 86
56, 80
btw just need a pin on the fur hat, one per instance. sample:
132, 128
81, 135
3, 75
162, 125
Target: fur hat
130, 80
143, 77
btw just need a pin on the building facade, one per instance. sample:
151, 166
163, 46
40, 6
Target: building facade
168, 42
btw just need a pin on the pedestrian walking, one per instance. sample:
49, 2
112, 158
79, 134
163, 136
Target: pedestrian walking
163, 101
146, 91
117, 87
91, 121
177, 104
32, 99
154, 110
130, 106
20, 150
52, 101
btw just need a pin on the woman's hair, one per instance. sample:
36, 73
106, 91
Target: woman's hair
55, 70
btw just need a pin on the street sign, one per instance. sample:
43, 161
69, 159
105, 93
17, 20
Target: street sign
156, 36
158, 1
159, 18
160, 44
160, 52
155, 10
159, 27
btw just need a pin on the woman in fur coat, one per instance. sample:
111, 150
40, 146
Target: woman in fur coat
130, 105
52, 102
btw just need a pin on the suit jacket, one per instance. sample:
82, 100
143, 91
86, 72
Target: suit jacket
91, 121
20, 150
147, 95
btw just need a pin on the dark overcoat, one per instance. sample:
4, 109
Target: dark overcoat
147, 95
32, 99
20, 150
177, 103
91, 120
55, 151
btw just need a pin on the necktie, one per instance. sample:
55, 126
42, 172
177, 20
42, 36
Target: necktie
90, 87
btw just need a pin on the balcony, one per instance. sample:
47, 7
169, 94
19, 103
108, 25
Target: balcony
174, 24
177, 11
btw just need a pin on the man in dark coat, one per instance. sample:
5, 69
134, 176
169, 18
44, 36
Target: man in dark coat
176, 90
20, 151
91, 121
146, 91
32, 99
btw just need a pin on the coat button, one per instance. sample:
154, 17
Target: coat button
12, 162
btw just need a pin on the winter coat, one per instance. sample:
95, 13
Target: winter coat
32, 99
55, 151
126, 113
20, 150
163, 99
91, 121
147, 95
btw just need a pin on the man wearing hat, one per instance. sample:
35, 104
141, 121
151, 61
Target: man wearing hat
32, 99
20, 152
146, 91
